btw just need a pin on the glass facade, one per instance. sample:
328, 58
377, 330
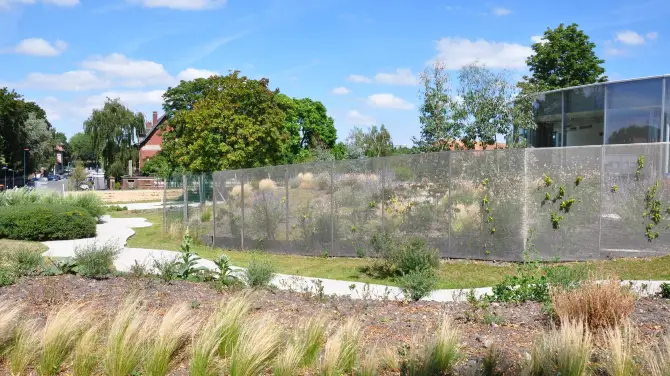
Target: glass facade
628, 112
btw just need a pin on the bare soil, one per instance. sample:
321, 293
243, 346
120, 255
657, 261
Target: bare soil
385, 322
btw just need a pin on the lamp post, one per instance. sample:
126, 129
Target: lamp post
24, 165
5, 168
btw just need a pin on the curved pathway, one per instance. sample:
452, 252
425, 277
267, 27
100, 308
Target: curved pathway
118, 230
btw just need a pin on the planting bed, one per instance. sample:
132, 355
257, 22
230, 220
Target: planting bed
384, 322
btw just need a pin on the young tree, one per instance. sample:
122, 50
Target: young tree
114, 132
238, 124
485, 108
378, 142
40, 141
565, 57
82, 147
438, 128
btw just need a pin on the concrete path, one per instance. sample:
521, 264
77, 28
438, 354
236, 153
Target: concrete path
117, 231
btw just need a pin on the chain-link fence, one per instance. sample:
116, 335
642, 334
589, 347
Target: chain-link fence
572, 203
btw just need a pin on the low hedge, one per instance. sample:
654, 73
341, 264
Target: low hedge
42, 222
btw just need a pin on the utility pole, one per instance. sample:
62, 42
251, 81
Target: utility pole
24, 165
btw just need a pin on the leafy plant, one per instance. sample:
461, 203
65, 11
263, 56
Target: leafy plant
259, 273
418, 284
225, 273
188, 264
665, 290
94, 261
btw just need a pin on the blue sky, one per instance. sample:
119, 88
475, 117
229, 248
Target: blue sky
360, 58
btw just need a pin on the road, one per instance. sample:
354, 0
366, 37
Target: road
56, 186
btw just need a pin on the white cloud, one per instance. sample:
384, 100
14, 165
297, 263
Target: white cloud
360, 79
400, 77
39, 47
5, 4
538, 39
193, 73
129, 98
629, 37
78, 80
117, 65
356, 118
652, 35
181, 4
62, 3
340, 91
454, 53
501, 11
612, 50
389, 101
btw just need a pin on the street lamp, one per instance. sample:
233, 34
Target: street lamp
24, 165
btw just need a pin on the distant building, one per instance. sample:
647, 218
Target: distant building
150, 145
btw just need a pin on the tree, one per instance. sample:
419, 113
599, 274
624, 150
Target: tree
40, 140
157, 166
184, 95
82, 147
238, 124
485, 108
61, 139
378, 142
308, 124
114, 131
438, 128
12, 119
565, 57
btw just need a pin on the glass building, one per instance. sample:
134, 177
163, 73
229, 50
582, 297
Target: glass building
619, 112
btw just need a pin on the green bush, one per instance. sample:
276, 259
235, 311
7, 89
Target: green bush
259, 273
665, 290
412, 255
88, 201
6, 277
94, 261
418, 284
403, 173
25, 261
42, 222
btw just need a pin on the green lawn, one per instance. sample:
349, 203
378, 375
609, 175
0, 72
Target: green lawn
453, 274
8, 245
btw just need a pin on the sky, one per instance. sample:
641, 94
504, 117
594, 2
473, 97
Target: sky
361, 59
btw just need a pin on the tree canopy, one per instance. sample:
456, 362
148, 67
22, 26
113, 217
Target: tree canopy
82, 147
114, 131
564, 57
238, 124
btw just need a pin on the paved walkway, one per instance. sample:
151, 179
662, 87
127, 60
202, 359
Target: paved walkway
118, 230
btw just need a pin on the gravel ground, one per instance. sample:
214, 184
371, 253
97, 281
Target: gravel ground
385, 322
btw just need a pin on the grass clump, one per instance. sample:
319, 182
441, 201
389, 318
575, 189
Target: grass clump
341, 351
85, 354
60, 335
598, 304
621, 343
258, 344
94, 261
25, 261
25, 349
128, 336
174, 330
231, 316
288, 361
436, 357
9, 321
565, 351
259, 273
657, 359
205, 347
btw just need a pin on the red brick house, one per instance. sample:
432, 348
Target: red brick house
150, 145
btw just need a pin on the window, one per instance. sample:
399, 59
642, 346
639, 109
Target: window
634, 112
585, 116
548, 117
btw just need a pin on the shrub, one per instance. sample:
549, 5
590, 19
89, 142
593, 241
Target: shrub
267, 185
94, 261
25, 261
306, 180
322, 181
418, 284
236, 191
419, 218
41, 222
267, 213
6, 277
414, 254
599, 305
259, 273
167, 268
564, 352
116, 208
665, 290
90, 202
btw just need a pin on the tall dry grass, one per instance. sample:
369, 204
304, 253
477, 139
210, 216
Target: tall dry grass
86, 352
231, 315
173, 332
205, 346
9, 321
287, 362
370, 364
25, 349
310, 337
565, 351
61, 332
437, 356
657, 358
598, 304
621, 345
129, 334
266, 185
258, 344
341, 350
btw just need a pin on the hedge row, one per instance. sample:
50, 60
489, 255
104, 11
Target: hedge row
42, 222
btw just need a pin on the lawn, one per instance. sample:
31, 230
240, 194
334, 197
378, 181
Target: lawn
7, 245
452, 274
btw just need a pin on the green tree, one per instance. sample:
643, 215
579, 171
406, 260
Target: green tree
82, 147
12, 118
157, 165
186, 94
239, 124
565, 57
378, 142
40, 140
114, 131
308, 124
438, 128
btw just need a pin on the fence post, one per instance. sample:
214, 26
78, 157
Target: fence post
202, 191
383, 189
185, 190
602, 186
332, 208
213, 212
449, 210
242, 201
286, 173
165, 183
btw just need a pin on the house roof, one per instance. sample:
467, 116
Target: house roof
152, 131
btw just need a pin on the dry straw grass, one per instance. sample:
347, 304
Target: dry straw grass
565, 351
86, 352
25, 349
258, 344
599, 304
658, 358
174, 330
306, 180
236, 191
63, 329
341, 351
9, 321
621, 345
266, 185
127, 340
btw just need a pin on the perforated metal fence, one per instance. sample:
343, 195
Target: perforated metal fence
572, 203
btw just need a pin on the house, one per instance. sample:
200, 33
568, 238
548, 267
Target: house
150, 145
